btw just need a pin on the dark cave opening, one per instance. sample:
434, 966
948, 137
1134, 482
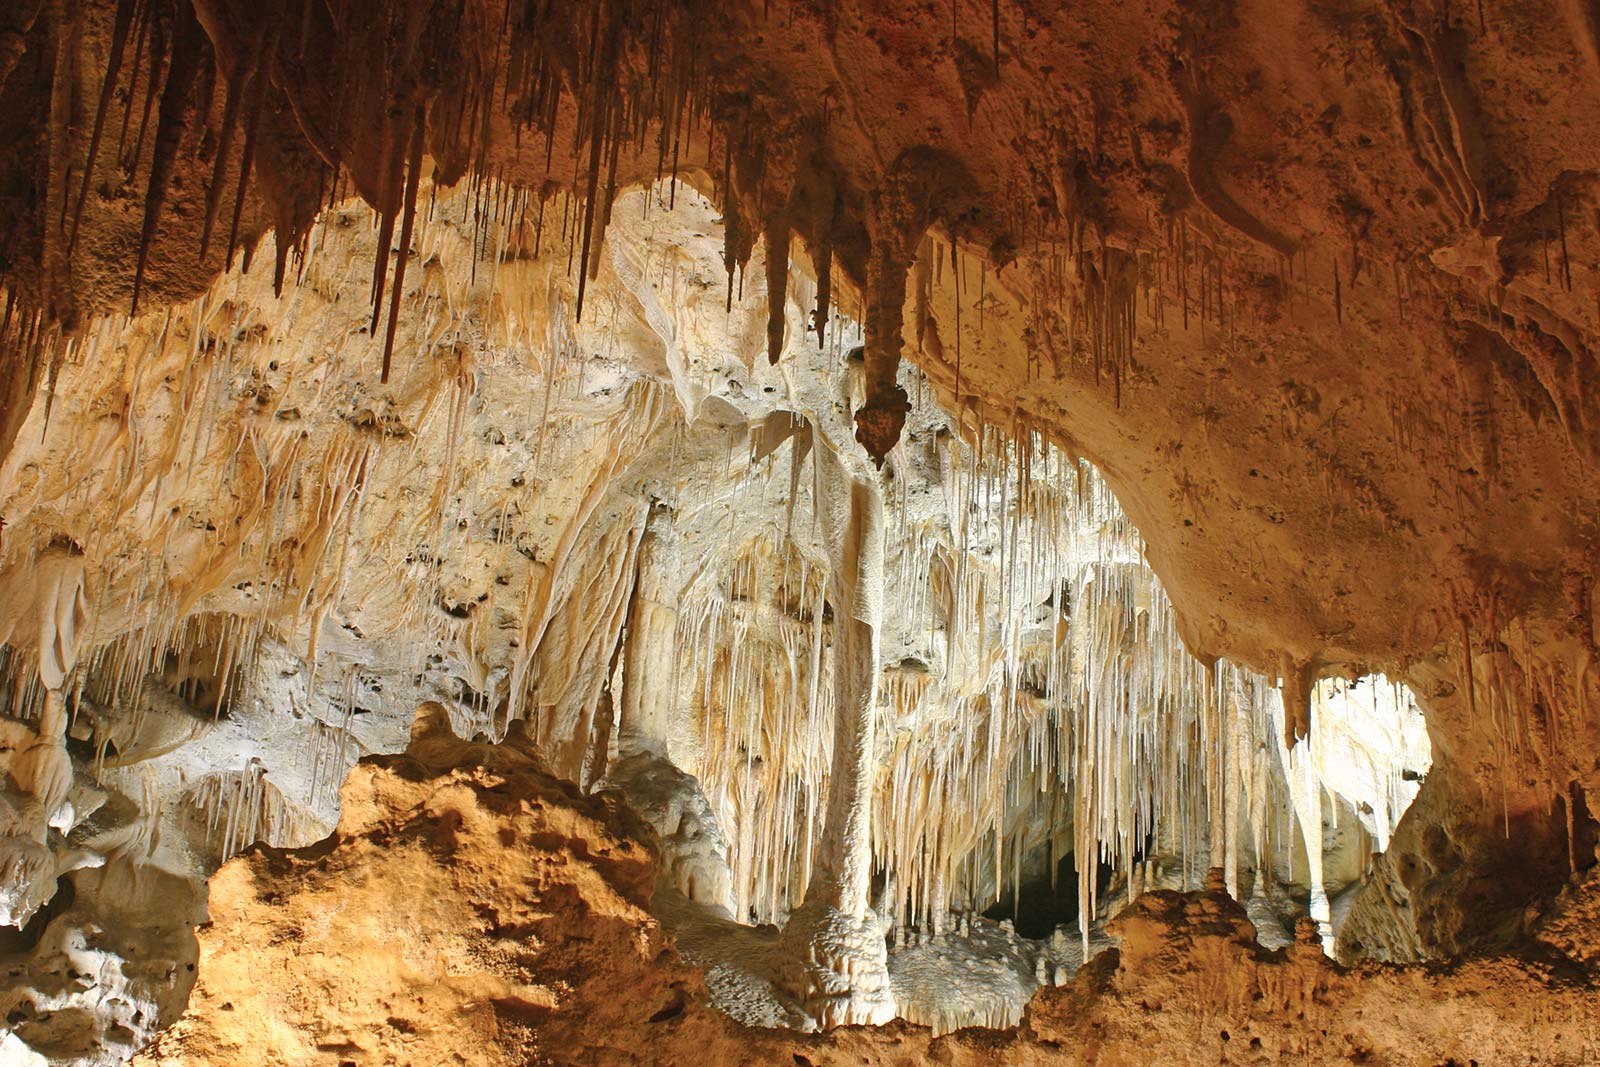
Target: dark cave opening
1037, 903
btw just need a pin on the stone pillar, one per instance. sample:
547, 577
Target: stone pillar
837, 965
1236, 741
1308, 809
1217, 758
649, 654
844, 865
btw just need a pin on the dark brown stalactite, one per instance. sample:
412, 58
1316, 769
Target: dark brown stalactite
824, 265
955, 291
405, 30
591, 191
419, 128
142, 17
903, 207
155, 31
283, 244
777, 240
108, 85
387, 211
824, 203
611, 191
237, 85
538, 224
56, 297
257, 93
730, 218
682, 118
603, 113
188, 48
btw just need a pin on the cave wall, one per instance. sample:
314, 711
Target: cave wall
1312, 286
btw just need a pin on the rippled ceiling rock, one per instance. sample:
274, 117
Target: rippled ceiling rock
1359, 241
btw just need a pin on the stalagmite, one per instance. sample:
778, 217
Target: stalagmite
839, 967
1309, 816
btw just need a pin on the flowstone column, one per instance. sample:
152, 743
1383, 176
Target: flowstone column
650, 647
694, 856
837, 964
1236, 743
1311, 831
1305, 785
49, 597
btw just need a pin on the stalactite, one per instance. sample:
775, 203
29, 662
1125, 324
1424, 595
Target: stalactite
236, 82
824, 207
188, 48
903, 208
409, 217
1298, 678
119, 41
777, 242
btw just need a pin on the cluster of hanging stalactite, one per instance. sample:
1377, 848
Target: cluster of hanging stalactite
546, 108
297, 106
242, 807
212, 524
1037, 693
1032, 658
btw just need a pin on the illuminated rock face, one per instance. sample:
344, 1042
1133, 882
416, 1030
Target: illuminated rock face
878, 654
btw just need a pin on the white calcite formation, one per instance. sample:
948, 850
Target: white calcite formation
858, 706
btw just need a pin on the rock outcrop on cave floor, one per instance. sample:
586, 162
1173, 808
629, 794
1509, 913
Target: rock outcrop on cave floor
470, 909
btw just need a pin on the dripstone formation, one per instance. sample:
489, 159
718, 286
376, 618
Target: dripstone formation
784, 532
